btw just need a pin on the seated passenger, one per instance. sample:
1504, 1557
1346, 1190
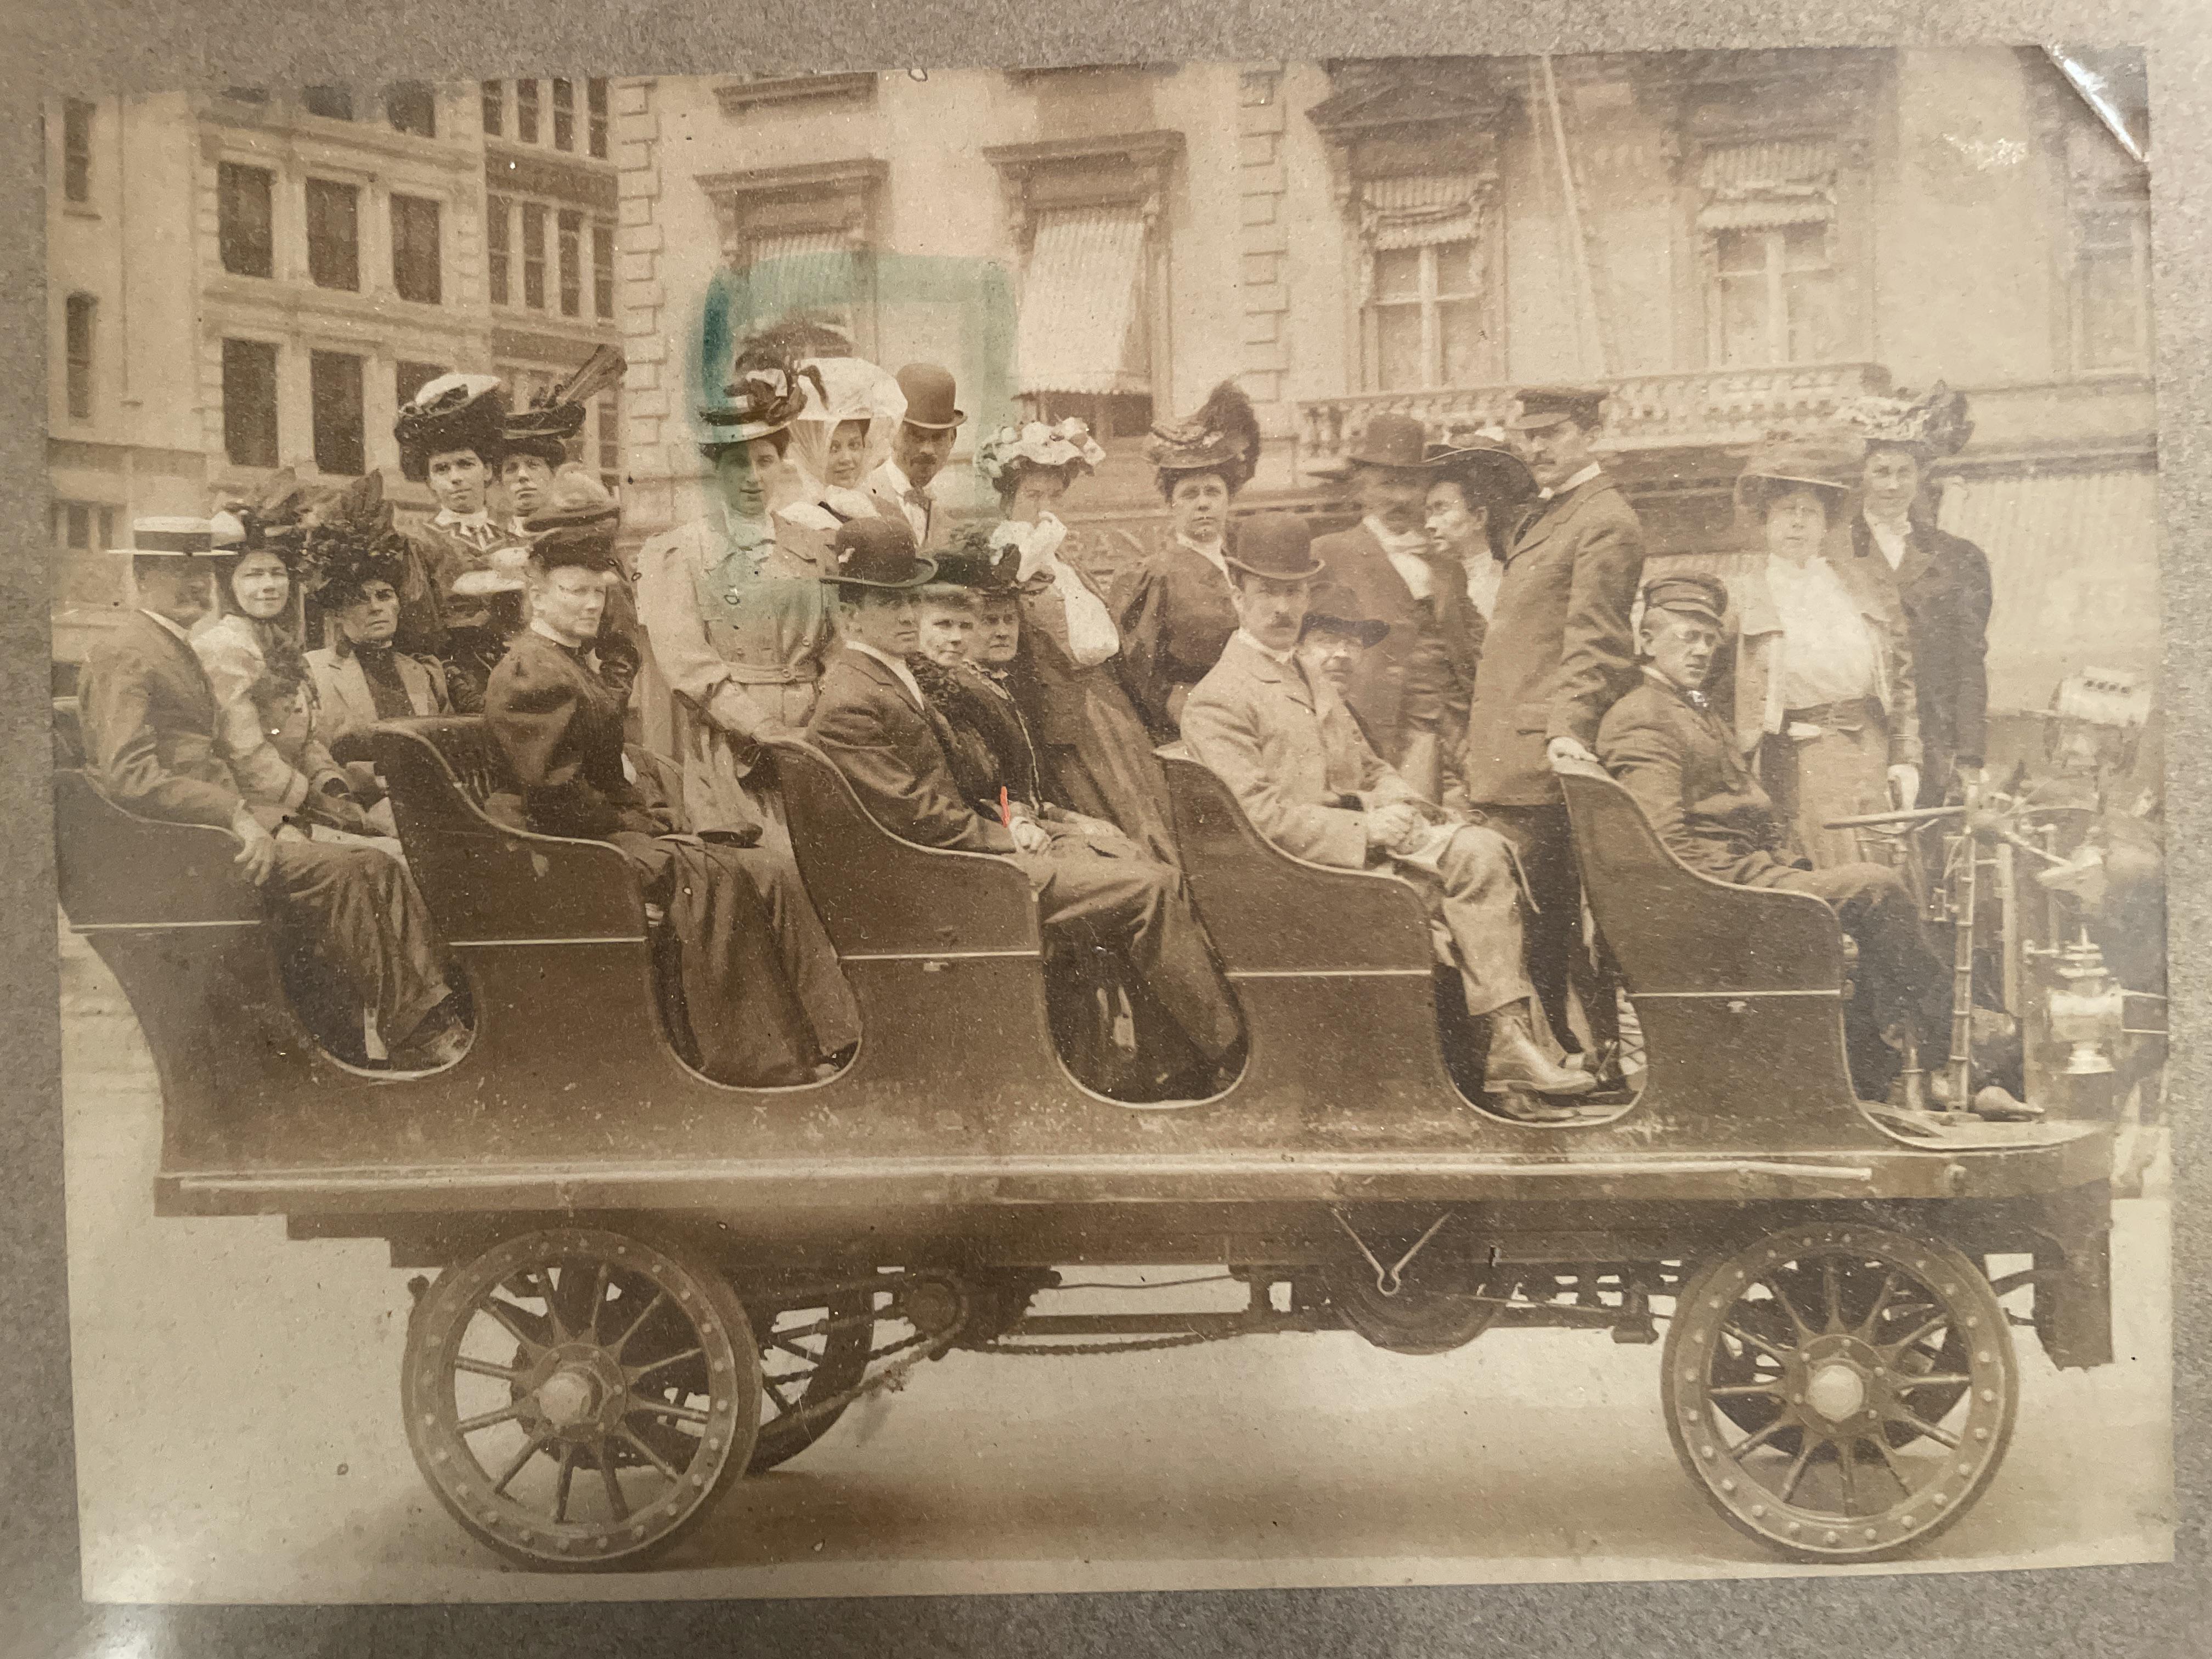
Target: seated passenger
1677, 756
763, 1002
148, 714
1286, 744
268, 723
354, 567
875, 723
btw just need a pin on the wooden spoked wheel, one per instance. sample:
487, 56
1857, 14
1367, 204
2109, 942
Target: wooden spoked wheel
578, 1399
1840, 1393
811, 1352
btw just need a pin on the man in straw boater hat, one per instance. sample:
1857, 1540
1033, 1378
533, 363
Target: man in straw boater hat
1941, 580
749, 946
1557, 654
1388, 561
875, 722
147, 710
919, 449
1679, 757
1288, 746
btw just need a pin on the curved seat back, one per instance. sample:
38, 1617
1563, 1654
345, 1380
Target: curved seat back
485, 881
1675, 930
879, 896
1268, 911
116, 869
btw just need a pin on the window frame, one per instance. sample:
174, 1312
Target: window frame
330, 95
1428, 302
312, 186
412, 91
499, 249
528, 111
228, 230
562, 102
493, 108
2135, 214
602, 270
244, 417
81, 319
534, 255
1774, 272
77, 118
596, 100
568, 240
403, 245
352, 436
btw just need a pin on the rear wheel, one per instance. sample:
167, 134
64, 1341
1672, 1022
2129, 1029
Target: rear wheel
578, 1398
812, 1352
1840, 1393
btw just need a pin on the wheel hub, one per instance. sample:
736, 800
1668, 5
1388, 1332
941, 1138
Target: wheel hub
1836, 1390
568, 1397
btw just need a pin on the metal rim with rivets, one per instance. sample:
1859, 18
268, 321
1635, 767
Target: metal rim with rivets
1805, 1391
577, 1398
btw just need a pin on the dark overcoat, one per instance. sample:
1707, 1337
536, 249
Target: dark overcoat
1943, 589
1398, 689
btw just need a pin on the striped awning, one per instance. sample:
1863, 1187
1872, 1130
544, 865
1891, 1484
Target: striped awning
1781, 183
1082, 326
801, 271
2073, 560
1417, 210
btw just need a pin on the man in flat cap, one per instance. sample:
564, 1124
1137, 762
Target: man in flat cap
1289, 748
877, 726
1390, 562
1677, 754
1558, 653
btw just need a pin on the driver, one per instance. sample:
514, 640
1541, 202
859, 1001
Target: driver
1282, 737
1665, 744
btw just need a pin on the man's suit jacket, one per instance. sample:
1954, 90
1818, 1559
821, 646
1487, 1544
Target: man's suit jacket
891, 753
1942, 586
1290, 752
147, 711
1559, 652
1682, 765
889, 506
349, 708
1398, 688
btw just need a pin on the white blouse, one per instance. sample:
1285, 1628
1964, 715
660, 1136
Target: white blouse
1828, 652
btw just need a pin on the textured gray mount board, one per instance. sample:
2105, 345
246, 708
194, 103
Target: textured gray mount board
2131, 1610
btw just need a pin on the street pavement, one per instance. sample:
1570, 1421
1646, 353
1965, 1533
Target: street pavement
238, 1438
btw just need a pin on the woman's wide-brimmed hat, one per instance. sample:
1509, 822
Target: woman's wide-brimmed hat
879, 553
931, 395
1276, 545
1398, 441
768, 390
352, 542
1931, 426
1485, 468
1823, 463
273, 521
1064, 443
556, 415
453, 411
972, 561
1222, 436
1336, 607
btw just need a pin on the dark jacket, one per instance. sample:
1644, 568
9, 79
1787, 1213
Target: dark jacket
1400, 688
1943, 588
893, 754
147, 711
560, 729
1175, 615
1681, 764
1559, 653
992, 748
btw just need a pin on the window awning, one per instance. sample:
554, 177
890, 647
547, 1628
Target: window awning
2073, 560
1751, 186
1082, 326
1419, 209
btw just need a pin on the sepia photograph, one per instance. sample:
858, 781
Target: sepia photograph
775, 795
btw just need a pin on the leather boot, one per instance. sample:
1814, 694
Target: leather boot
1516, 1061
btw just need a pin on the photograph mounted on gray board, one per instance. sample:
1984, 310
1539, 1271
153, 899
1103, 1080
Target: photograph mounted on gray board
730, 752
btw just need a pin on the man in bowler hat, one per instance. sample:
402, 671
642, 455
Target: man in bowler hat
1678, 756
1287, 745
1557, 655
890, 742
1389, 561
919, 449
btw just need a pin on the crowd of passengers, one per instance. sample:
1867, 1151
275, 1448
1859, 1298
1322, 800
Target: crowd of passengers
1398, 696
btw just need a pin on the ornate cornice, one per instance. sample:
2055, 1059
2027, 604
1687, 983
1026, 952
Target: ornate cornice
739, 98
1122, 167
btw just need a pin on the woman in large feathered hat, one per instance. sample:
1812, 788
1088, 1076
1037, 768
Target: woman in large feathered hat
1174, 610
353, 566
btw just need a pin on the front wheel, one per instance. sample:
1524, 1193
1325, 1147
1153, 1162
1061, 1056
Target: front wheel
578, 1398
1840, 1393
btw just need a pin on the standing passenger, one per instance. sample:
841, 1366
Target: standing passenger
1557, 656
1474, 501
919, 449
1173, 610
